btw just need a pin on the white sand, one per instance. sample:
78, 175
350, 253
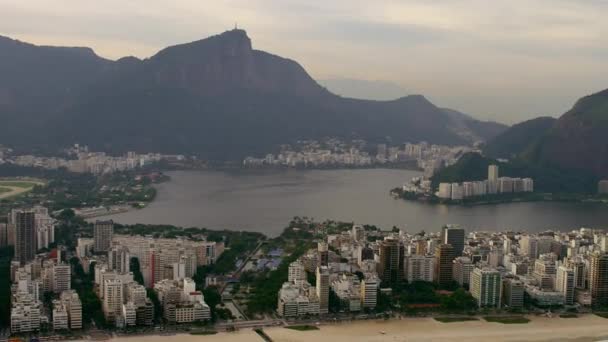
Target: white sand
586, 328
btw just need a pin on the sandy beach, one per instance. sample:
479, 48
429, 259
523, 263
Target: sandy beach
585, 328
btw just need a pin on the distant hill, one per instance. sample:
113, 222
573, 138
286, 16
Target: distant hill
471, 128
217, 98
515, 140
364, 89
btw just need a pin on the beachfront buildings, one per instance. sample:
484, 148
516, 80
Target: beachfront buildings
369, 291
67, 311
564, 283
391, 254
486, 287
181, 302
322, 288
444, 257
25, 313
297, 300
513, 293
500, 269
598, 278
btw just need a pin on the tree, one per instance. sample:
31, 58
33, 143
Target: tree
135, 268
334, 302
460, 300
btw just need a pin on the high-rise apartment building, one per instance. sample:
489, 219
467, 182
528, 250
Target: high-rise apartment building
323, 289
102, 234
62, 277
444, 257
486, 287
419, 267
296, 272
322, 254
493, 173
119, 259
25, 237
513, 293
112, 299
545, 271
598, 279
369, 291
453, 235
564, 283
461, 270
390, 268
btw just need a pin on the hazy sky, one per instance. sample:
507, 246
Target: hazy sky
506, 60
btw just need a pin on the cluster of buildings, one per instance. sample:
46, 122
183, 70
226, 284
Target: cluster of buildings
33, 274
335, 153
166, 265
82, 160
351, 274
491, 186
500, 269
552, 269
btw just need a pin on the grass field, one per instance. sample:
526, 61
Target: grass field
18, 184
12, 188
302, 327
507, 320
203, 332
601, 314
455, 319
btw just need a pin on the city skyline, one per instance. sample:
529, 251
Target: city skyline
537, 59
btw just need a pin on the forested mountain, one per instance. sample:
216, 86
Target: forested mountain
217, 98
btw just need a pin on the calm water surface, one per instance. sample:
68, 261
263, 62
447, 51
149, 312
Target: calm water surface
265, 201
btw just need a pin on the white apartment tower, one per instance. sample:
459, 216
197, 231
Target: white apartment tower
369, 291
564, 283
112, 299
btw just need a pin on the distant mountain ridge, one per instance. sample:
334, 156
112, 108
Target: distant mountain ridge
564, 155
578, 139
217, 98
518, 138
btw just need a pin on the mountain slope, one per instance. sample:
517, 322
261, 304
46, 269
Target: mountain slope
217, 98
515, 140
472, 129
578, 139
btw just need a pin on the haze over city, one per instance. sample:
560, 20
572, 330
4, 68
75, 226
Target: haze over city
505, 60
291, 170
